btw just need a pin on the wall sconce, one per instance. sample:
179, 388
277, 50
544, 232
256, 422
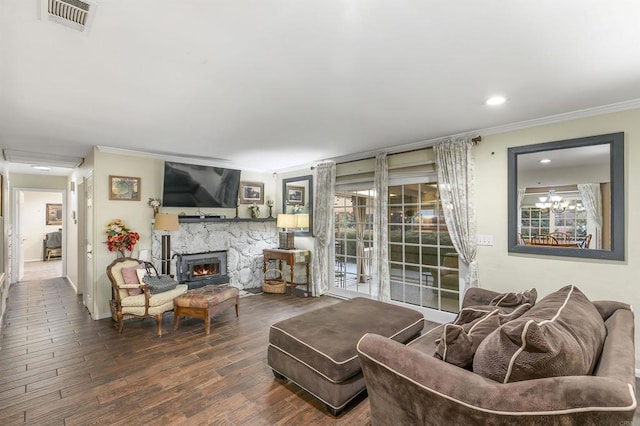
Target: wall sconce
166, 222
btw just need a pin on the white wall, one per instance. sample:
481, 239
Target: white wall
598, 279
34, 226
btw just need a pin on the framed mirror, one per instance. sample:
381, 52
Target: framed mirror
566, 198
297, 199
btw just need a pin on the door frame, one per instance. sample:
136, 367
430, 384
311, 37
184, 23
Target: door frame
15, 234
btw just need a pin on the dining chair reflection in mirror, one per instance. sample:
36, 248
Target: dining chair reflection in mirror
546, 240
561, 237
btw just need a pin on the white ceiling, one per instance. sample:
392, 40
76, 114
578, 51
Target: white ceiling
270, 85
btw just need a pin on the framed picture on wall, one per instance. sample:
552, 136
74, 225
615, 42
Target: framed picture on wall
124, 188
295, 194
53, 214
251, 192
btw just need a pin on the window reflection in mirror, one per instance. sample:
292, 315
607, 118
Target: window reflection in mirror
297, 199
566, 198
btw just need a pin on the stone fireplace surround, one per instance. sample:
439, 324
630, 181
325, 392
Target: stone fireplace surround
243, 241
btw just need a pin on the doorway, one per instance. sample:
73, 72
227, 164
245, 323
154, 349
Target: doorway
40, 233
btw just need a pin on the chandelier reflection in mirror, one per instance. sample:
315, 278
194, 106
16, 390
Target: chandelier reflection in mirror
557, 204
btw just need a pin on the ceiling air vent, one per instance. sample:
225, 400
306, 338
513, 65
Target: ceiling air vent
74, 14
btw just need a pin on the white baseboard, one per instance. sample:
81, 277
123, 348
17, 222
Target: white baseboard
102, 316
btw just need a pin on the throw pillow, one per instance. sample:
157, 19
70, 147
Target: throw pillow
515, 299
505, 314
458, 343
562, 335
130, 276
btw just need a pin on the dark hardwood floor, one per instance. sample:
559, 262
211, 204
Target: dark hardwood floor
59, 367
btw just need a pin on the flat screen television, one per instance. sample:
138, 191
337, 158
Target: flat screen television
190, 185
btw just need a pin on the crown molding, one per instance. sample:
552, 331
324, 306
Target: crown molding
558, 118
520, 125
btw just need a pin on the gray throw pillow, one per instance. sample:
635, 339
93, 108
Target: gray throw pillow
562, 335
458, 343
505, 314
515, 299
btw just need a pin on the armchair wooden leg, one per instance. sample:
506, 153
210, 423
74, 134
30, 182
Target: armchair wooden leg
120, 322
237, 299
158, 318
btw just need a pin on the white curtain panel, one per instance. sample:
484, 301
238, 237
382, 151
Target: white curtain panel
322, 271
592, 200
455, 164
380, 279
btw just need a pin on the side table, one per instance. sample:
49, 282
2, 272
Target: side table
290, 257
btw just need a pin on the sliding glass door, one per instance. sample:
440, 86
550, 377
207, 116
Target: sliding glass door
422, 261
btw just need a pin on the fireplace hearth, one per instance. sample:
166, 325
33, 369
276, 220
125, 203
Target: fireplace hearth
200, 269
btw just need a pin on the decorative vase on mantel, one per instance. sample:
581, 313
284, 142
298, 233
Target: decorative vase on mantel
156, 210
254, 210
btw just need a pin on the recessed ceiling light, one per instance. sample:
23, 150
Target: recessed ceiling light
43, 168
496, 100
545, 161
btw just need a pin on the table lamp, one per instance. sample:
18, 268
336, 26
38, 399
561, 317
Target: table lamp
166, 222
285, 237
302, 220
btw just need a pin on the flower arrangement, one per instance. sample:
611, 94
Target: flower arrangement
298, 208
255, 210
120, 238
155, 204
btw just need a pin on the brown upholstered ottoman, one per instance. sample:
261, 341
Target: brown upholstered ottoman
204, 302
317, 349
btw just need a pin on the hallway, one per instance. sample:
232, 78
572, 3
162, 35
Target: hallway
42, 270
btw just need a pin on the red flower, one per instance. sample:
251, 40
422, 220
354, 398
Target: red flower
119, 237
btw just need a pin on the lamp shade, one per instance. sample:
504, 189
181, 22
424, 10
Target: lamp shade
166, 222
286, 221
302, 220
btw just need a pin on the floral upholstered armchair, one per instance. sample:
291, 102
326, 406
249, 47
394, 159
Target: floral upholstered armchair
132, 298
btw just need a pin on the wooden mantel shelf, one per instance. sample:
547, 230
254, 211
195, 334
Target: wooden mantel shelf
198, 219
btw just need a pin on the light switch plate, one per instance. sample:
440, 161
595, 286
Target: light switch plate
485, 240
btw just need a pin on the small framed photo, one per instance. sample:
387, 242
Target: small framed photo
53, 214
295, 194
124, 188
251, 192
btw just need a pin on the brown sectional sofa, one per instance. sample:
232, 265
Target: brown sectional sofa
408, 385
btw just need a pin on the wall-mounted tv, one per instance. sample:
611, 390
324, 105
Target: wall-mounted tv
190, 185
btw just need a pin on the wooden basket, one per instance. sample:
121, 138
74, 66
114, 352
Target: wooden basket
274, 284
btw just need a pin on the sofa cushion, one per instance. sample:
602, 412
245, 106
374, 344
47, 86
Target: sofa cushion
458, 343
515, 299
562, 335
